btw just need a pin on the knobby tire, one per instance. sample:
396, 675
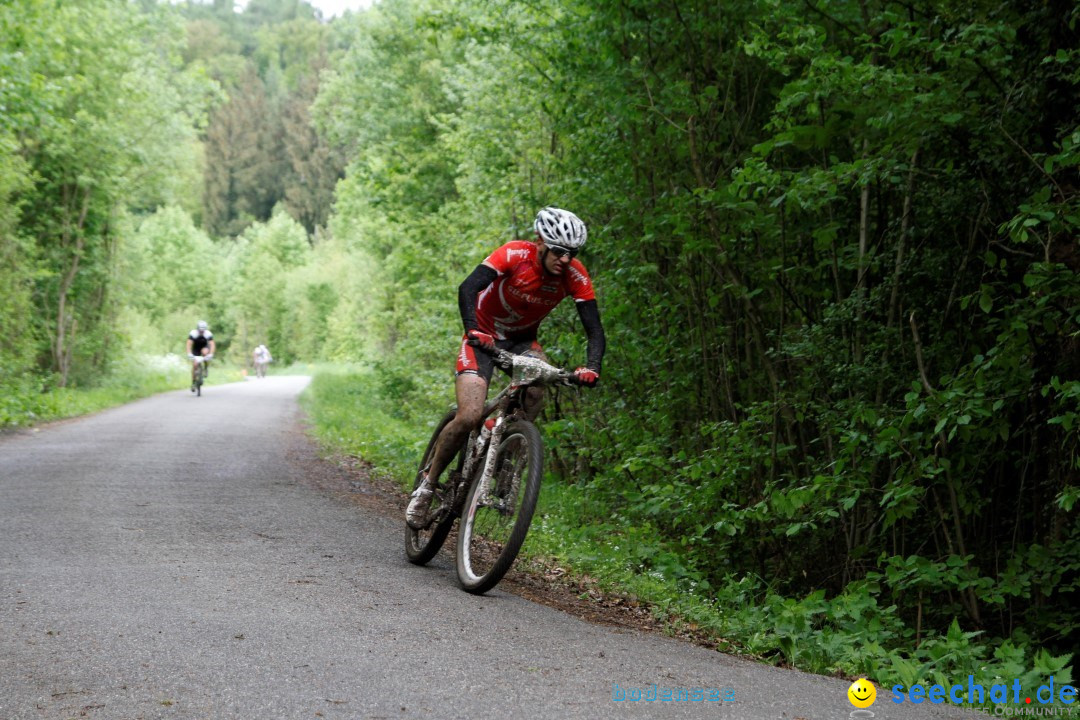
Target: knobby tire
492, 532
422, 545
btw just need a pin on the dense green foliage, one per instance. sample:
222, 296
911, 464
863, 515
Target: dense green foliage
96, 120
834, 245
120, 123
835, 254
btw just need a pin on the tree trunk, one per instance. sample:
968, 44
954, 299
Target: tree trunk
61, 351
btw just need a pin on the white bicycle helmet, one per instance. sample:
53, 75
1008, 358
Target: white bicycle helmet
201, 325
560, 227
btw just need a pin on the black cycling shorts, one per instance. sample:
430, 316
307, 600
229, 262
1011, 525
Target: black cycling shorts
474, 361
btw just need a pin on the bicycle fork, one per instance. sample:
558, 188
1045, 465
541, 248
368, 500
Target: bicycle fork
489, 465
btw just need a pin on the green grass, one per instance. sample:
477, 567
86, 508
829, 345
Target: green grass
848, 634
351, 416
134, 377
343, 403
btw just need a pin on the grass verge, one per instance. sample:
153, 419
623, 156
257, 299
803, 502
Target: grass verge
23, 403
848, 635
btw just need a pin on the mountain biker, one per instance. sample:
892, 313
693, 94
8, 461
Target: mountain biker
502, 304
200, 343
260, 356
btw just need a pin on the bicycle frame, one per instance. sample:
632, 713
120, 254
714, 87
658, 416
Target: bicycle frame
496, 485
198, 374
526, 372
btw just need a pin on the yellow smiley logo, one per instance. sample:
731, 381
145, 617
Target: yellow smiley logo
862, 693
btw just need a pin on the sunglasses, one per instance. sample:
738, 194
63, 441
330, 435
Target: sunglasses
562, 252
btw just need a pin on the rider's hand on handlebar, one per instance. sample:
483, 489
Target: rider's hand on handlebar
480, 339
586, 376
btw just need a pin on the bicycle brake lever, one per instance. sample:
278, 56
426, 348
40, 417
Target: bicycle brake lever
503, 359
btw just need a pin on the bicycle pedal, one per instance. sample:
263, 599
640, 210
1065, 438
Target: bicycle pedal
499, 506
437, 517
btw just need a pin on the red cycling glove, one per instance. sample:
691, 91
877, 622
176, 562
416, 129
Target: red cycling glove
480, 339
587, 376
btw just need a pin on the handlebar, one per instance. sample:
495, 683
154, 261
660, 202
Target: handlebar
528, 370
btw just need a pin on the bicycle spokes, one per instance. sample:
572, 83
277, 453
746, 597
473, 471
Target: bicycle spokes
502, 491
499, 510
422, 545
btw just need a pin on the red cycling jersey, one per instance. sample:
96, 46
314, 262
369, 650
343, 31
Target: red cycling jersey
523, 294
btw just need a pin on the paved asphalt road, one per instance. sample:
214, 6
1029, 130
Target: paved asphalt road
169, 559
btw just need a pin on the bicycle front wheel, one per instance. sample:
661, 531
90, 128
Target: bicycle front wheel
422, 545
497, 516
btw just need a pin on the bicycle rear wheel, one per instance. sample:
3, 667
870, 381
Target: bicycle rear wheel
422, 545
496, 518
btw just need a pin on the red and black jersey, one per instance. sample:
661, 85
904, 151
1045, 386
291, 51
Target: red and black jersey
522, 295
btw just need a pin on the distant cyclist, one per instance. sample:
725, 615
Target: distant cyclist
200, 343
502, 304
260, 357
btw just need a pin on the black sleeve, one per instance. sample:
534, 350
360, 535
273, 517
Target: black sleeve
590, 318
479, 279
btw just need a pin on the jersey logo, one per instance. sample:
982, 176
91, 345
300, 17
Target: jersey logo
530, 298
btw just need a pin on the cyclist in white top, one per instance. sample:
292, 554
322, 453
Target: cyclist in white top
261, 358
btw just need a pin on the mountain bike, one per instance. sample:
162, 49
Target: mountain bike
199, 376
493, 483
